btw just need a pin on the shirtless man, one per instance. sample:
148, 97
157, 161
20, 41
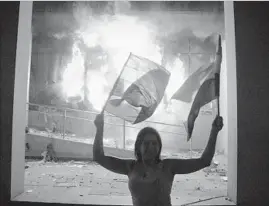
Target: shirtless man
150, 178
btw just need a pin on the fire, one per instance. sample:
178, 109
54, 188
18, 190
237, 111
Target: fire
176, 78
73, 80
96, 86
118, 36
74, 74
127, 34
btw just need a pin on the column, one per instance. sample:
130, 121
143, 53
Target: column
231, 100
21, 93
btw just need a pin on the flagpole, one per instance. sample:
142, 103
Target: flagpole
116, 82
217, 74
189, 72
217, 88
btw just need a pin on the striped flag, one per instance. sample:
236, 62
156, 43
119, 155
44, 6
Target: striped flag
205, 84
145, 83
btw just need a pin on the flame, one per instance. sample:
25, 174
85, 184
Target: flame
176, 78
74, 74
90, 39
73, 80
96, 86
118, 36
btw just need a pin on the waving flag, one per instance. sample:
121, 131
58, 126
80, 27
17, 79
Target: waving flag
145, 83
205, 84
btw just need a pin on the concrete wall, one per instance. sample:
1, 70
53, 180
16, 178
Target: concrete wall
252, 51
231, 100
66, 149
86, 129
9, 16
21, 94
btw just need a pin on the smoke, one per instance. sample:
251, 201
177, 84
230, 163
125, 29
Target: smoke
122, 6
110, 31
105, 40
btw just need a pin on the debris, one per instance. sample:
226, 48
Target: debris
49, 154
228, 199
64, 184
222, 173
27, 147
215, 163
26, 130
225, 179
209, 170
213, 170
120, 180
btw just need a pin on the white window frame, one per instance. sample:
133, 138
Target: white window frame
21, 91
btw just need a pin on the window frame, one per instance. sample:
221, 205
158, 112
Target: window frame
21, 89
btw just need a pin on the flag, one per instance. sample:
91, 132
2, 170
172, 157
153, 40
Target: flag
145, 83
184, 43
186, 92
205, 84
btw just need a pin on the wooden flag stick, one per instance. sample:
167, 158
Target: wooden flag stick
217, 88
217, 74
115, 84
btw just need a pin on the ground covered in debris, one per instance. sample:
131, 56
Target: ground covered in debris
88, 183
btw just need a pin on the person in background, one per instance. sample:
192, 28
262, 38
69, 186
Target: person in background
150, 177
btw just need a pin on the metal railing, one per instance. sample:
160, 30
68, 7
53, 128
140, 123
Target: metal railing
48, 110
54, 111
